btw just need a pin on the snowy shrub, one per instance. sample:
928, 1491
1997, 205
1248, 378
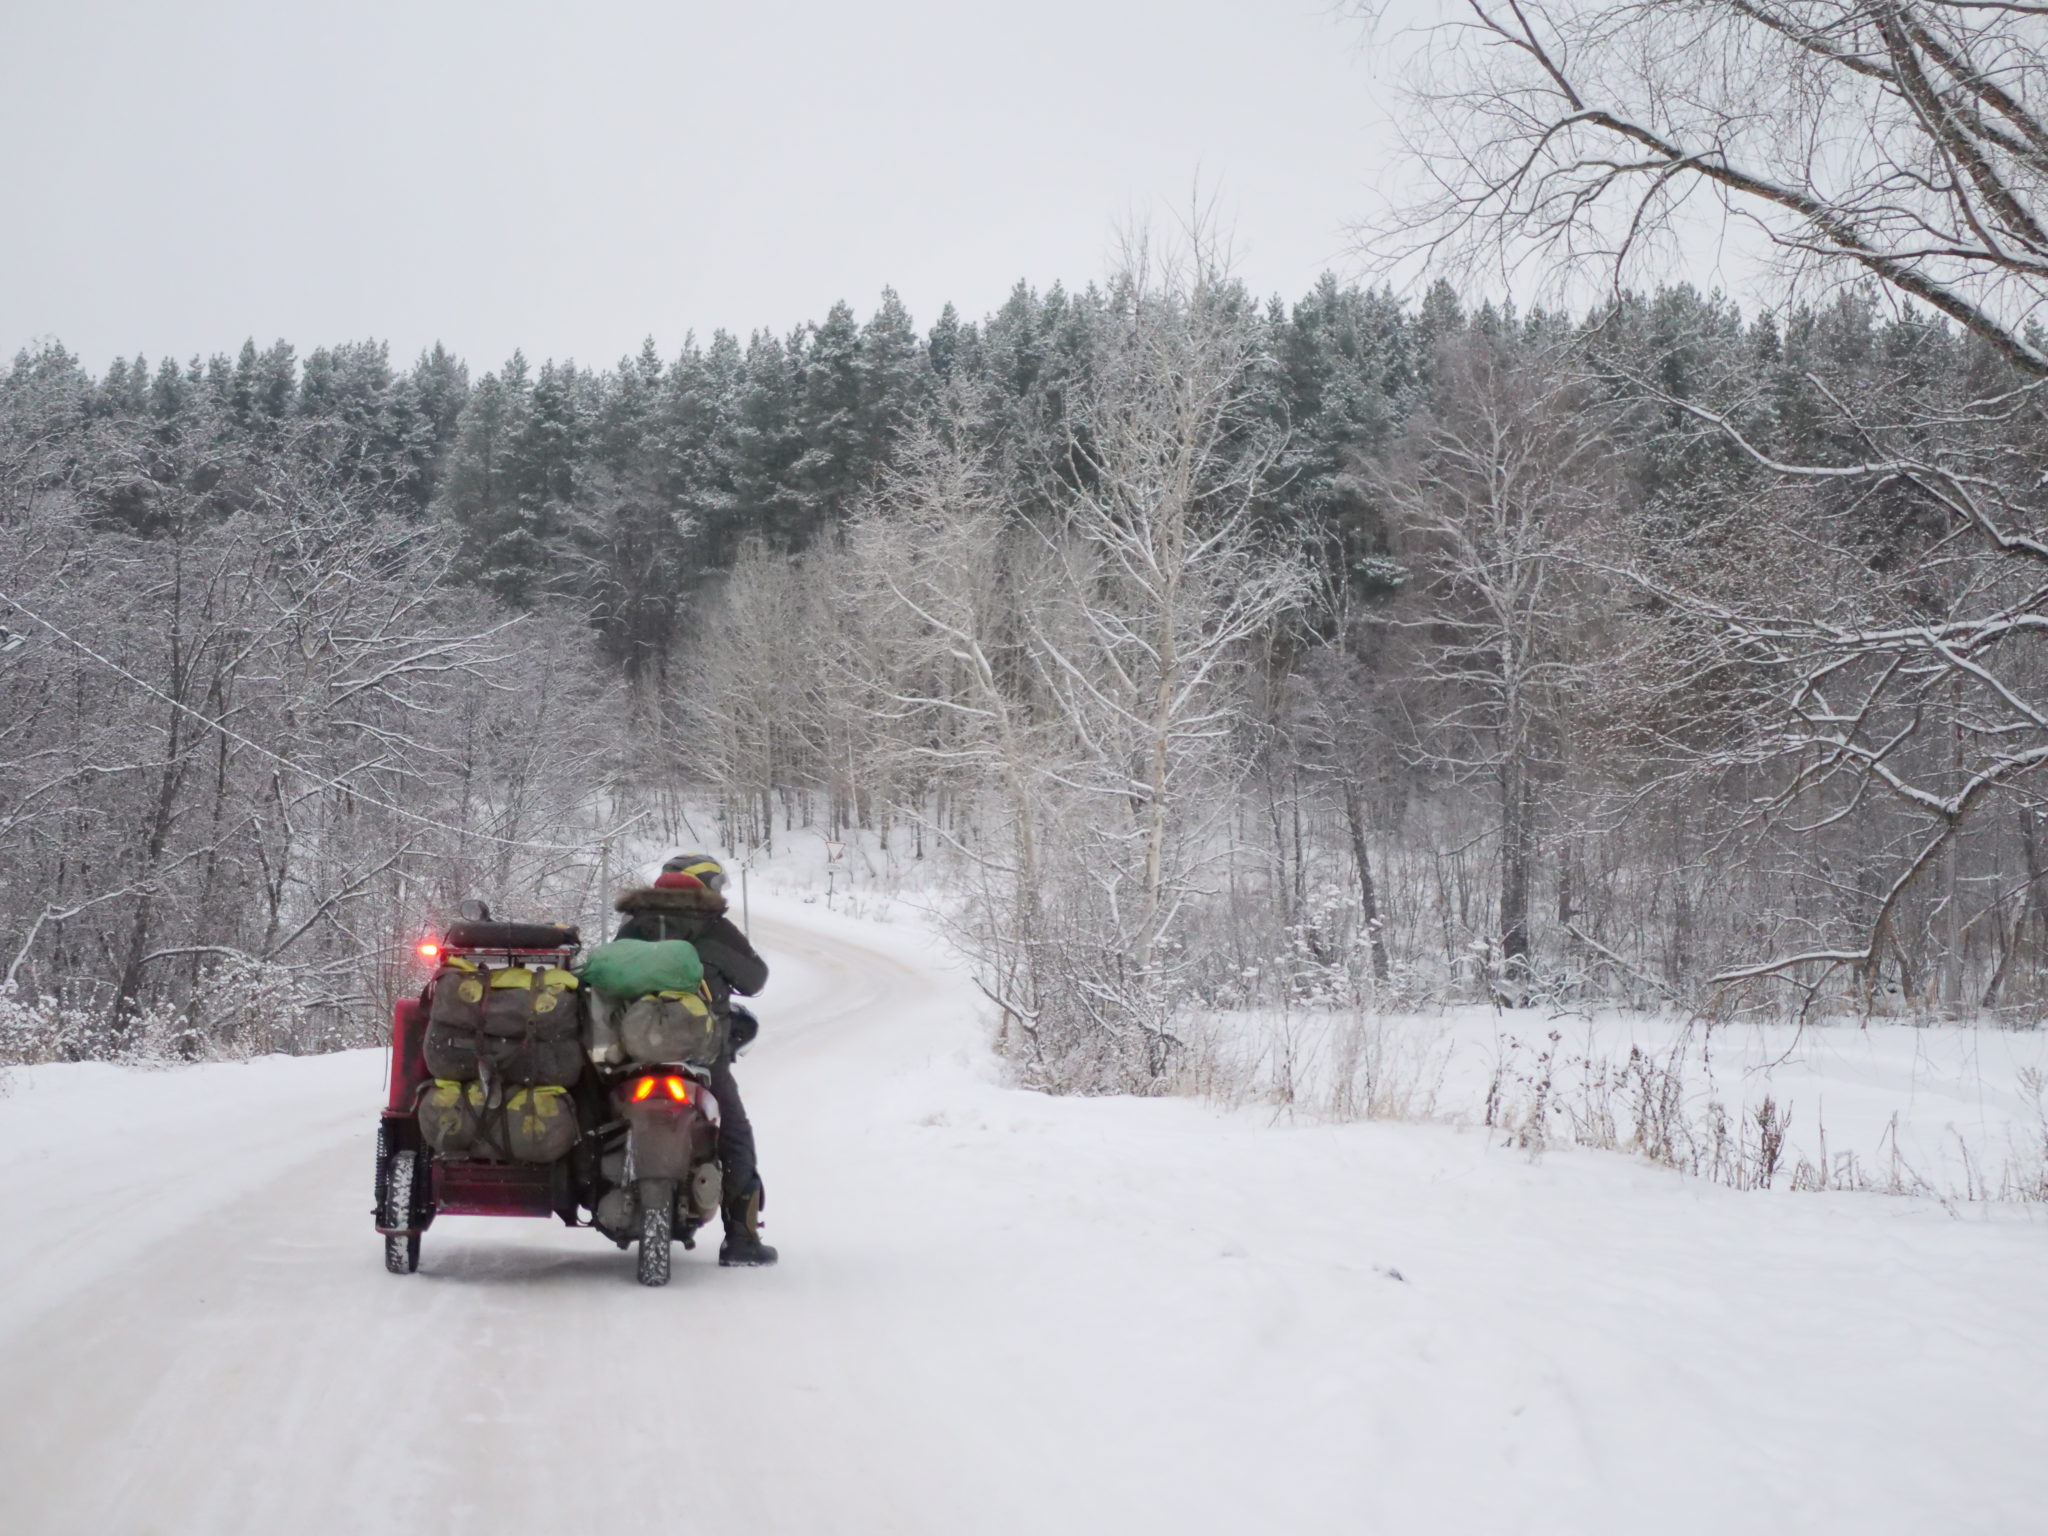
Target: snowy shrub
1337, 1064
37, 1027
1675, 1104
241, 1007
252, 1007
1660, 1104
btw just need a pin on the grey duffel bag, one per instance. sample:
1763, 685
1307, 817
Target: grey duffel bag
529, 1125
673, 1027
525, 1024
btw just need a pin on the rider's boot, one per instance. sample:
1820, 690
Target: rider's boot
743, 1245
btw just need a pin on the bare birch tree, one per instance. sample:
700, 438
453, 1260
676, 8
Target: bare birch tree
1900, 142
1168, 579
250, 755
1495, 494
1906, 140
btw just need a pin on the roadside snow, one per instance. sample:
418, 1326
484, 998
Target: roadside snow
1956, 1113
97, 1162
997, 1313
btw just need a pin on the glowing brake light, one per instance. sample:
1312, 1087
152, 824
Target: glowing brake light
430, 950
675, 1087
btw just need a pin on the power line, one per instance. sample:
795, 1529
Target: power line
341, 784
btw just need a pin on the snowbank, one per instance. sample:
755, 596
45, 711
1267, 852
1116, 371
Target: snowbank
1955, 1113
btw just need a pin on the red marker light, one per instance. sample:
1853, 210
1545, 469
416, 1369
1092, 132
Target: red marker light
644, 1089
430, 950
677, 1089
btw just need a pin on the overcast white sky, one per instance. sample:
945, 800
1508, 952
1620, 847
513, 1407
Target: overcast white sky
572, 177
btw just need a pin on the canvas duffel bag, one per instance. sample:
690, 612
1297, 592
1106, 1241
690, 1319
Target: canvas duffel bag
452, 1119
531, 1125
460, 1054
539, 1005
456, 995
539, 1124
676, 1027
524, 1024
455, 1019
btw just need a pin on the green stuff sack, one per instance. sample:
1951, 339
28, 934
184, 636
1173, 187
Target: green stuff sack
539, 1125
631, 968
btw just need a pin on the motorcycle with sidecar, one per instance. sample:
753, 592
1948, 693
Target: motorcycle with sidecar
641, 1163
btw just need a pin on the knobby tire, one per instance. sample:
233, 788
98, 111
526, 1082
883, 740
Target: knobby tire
401, 1249
656, 1228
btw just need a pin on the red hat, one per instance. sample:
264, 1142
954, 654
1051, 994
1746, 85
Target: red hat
676, 880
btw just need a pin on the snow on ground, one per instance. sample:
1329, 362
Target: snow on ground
997, 1313
1952, 1112
1956, 1113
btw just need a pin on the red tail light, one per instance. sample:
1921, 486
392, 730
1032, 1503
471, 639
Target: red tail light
429, 950
677, 1088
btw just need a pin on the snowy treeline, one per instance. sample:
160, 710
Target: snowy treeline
251, 734
1507, 671
1605, 707
1512, 673
1655, 655
1221, 652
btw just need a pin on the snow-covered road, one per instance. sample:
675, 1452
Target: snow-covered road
997, 1313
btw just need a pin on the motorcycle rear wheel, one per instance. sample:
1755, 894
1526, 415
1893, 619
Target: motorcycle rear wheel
656, 1228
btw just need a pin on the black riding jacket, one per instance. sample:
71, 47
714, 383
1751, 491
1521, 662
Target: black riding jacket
656, 912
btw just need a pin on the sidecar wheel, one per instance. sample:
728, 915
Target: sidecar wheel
401, 1249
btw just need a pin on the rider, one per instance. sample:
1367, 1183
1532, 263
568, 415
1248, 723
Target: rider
687, 901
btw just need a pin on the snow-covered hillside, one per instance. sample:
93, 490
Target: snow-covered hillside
997, 1312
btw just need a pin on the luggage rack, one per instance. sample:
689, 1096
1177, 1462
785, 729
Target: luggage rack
512, 938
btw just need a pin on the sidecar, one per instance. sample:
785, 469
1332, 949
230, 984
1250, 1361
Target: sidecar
414, 1185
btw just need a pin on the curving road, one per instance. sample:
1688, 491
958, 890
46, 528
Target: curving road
252, 1369
997, 1313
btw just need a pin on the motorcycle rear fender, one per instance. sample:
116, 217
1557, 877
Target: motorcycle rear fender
665, 1139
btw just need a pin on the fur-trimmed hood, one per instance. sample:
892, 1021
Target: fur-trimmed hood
658, 912
670, 899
